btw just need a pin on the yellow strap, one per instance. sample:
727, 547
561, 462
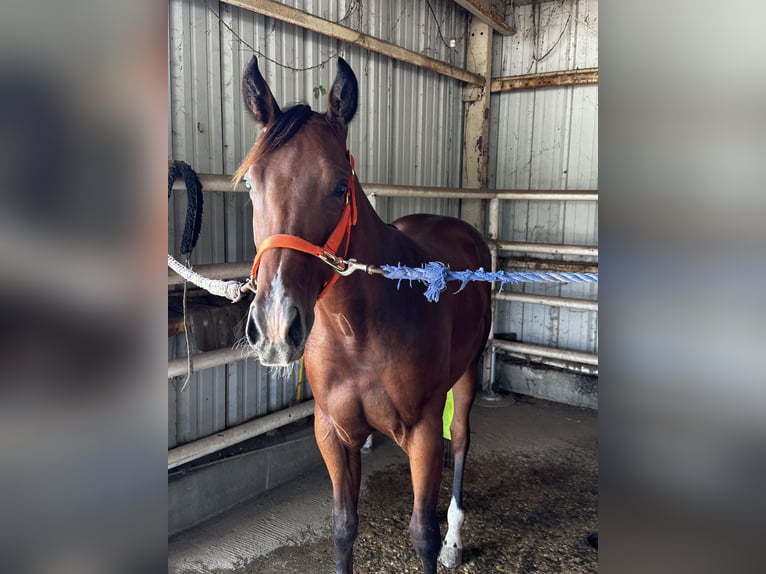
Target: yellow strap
449, 410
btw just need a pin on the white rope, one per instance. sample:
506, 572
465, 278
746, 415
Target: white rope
189, 369
232, 290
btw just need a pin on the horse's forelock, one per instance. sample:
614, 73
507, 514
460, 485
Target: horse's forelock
284, 127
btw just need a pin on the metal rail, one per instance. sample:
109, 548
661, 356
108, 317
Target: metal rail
231, 436
562, 358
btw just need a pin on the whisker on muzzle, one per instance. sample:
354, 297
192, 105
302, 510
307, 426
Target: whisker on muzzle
286, 372
243, 344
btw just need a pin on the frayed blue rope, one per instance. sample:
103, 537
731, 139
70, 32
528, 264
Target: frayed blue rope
436, 274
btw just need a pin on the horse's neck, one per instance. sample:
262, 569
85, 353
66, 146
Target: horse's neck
372, 242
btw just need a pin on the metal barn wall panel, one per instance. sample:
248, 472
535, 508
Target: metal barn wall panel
224, 396
407, 131
548, 139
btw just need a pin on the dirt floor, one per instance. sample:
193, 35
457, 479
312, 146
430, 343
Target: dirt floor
531, 499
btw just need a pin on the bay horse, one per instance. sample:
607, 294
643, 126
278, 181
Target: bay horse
376, 357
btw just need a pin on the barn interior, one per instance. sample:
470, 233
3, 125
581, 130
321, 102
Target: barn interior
483, 110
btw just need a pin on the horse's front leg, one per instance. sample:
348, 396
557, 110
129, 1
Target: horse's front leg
425, 450
344, 465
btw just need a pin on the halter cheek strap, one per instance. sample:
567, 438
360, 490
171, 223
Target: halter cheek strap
329, 251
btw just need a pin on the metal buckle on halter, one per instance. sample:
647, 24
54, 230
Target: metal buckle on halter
353, 265
337, 263
346, 267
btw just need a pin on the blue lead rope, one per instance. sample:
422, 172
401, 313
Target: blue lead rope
436, 274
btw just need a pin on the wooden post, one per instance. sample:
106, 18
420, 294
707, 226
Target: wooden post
476, 121
476, 153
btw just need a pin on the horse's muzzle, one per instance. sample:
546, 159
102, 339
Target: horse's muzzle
277, 331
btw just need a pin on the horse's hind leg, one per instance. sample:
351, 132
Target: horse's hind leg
344, 465
464, 392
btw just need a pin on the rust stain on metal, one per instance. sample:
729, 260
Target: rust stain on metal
546, 80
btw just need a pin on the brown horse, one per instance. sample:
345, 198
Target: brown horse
377, 357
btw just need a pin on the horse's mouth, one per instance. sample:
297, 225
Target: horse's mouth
277, 355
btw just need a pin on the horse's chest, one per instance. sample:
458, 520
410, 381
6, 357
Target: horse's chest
384, 343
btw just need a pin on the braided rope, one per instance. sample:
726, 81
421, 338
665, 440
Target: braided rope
436, 274
228, 289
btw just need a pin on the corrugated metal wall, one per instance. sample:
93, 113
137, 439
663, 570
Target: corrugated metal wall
548, 139
408, 130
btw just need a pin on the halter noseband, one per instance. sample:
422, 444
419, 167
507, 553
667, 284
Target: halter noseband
328, 252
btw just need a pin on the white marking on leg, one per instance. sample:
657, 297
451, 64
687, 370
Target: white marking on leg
455, 517
452, 549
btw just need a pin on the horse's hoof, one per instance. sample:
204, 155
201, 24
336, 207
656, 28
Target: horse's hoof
451, 557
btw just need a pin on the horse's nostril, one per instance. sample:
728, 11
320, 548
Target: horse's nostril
251, 329
295, 330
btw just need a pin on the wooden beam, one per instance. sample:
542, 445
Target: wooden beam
491, 12
546, 80
528, 2
308, 21
532, 264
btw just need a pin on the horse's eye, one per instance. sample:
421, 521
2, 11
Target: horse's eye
340, 189
247, 184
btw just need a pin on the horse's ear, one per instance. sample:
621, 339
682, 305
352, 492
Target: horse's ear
344, 94
258, 97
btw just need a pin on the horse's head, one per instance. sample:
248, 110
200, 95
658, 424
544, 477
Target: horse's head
301, 181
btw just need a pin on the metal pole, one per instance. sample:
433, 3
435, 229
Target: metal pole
427, 192
222, 183
550, 248
493, 232
547, 195
202, 361
532, 351
574, 367
550, 300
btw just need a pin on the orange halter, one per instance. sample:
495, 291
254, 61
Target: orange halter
328, 252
